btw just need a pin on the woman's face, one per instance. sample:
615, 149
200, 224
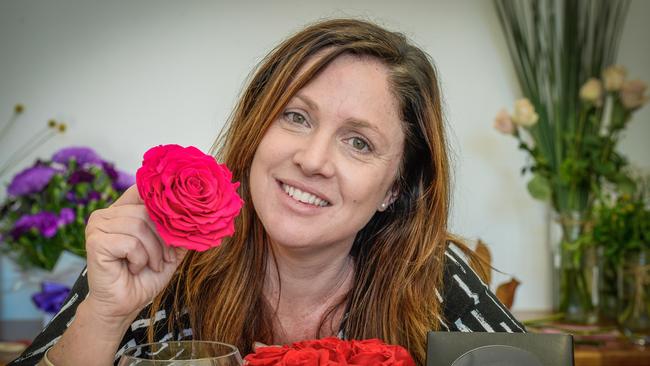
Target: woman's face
326, 165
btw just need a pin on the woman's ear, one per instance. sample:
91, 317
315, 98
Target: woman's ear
390, 197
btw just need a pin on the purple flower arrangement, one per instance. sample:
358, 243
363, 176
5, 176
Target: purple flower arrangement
48, 204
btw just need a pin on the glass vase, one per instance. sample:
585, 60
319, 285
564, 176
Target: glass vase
577, 272
609, 283
634, 317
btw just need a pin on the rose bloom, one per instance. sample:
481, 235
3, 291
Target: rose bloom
524, 114
613, 77
591, 91
632, 94
309, 357
189, 196
375, 352
267, 356
503, 122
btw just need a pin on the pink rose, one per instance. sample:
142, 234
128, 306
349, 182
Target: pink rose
632, 94
189, 196
503, 122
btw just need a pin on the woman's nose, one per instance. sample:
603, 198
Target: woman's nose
314, 156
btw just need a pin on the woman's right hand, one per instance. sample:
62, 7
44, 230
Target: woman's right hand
128, 262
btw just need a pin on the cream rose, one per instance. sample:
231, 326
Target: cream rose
632, 94
524, 114
503, 122
591, 91
613, 77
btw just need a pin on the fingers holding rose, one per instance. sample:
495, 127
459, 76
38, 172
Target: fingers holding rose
126, 233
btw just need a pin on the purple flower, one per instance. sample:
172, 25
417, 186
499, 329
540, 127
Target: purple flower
124, 180
110, 170
47, 224
66, 216
81, 176
31, 180
83, 155
70, 196
93, 196
51, 297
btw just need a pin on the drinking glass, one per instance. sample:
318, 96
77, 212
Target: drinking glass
182, 353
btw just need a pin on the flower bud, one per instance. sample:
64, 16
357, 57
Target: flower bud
632, 94
592, 91
503, 122
613, 77
524, 114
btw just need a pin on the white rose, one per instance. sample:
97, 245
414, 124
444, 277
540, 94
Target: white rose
591, 91
503, 122
632, 94
524, 114
613, 77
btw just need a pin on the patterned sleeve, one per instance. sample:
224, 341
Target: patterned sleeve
468, 303
136, 334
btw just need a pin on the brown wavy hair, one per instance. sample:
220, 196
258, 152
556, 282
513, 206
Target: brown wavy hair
399, 254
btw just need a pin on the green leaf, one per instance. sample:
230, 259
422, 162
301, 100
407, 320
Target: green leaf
625, 184
539, 187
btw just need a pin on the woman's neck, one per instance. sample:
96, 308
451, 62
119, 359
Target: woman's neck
307, 277
302, 287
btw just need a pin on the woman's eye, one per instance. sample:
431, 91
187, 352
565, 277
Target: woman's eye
295, 117
360, 144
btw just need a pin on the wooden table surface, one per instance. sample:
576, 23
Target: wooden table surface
620, 353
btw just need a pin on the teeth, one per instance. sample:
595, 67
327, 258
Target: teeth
303, 197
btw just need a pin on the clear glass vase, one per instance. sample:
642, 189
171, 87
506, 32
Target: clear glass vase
577, 272
634, 316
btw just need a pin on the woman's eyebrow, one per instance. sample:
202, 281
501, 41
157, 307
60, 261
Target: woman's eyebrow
363, 124
305, 99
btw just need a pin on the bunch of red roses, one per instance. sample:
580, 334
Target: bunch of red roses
331, 352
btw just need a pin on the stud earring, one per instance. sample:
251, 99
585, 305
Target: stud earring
383, 206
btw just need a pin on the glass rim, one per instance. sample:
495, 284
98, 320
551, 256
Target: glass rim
233, 350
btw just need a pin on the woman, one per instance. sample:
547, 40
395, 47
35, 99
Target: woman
339, 145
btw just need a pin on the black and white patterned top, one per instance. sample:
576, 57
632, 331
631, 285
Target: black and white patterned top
468, 306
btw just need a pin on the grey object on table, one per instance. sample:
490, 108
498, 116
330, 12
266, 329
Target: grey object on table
504, 349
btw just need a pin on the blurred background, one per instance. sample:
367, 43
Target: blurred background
125, 76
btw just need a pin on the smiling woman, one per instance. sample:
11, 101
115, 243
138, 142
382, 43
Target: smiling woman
318, 150
339, 144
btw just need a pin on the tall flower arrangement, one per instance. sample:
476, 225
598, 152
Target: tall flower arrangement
47, 205
576, 104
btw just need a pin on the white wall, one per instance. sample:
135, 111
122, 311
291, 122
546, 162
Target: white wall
129, 75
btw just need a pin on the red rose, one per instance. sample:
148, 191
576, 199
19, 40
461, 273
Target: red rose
337, 347
376, 352
307, 357
331, 352
189, 196
266, 356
